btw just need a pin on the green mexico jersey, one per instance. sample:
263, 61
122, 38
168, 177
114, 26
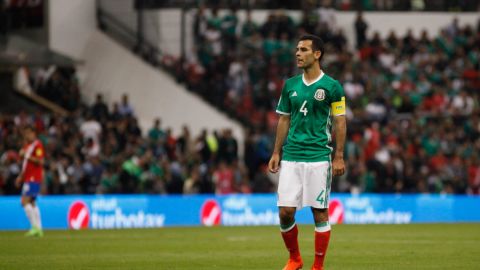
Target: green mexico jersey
310, 107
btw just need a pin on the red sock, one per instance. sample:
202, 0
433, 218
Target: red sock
290, 238
321, 245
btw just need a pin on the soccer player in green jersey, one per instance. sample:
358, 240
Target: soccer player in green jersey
307, 105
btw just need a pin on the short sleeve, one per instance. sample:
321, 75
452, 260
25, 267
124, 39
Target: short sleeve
283, 106
337, 92
338, 104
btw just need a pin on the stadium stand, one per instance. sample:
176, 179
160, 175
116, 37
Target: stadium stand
413, 111
413, 103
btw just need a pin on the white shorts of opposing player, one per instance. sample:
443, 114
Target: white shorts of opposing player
304, 184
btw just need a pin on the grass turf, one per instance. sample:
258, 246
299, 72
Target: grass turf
425, 246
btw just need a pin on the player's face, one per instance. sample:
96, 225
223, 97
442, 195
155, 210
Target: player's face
29, 135
305, 55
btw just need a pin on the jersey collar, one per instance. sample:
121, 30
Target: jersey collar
316, 80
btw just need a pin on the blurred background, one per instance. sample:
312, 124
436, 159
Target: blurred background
178, 97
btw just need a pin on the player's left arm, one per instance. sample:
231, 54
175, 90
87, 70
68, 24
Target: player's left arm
338, 165
339, 110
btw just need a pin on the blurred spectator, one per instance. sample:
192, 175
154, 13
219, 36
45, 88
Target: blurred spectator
99, 109
361, 27
125, 109
184, 142
249, 27
91, 148
192, 184
156, 133
326, 14
223, 179
91, 129
229, 28
213, 40
227, 147
199, 24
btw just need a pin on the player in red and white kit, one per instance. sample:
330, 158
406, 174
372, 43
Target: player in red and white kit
32, 154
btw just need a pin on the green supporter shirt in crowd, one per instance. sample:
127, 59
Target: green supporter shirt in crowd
310, 109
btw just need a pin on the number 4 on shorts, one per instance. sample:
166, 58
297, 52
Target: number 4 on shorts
320, 197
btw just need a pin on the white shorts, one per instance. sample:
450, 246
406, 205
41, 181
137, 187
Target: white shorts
304, 184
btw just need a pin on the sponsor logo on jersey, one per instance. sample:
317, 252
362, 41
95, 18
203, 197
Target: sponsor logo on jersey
294, 94
78, 216
319, 94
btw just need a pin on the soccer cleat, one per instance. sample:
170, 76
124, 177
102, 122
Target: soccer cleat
293, 264
316, 268
31, 232
39, 233
34, 232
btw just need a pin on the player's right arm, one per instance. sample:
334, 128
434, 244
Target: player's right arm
284, 110
282, 132
19, 180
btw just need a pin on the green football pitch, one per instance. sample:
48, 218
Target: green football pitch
426, 246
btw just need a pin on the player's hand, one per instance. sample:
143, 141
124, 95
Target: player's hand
273, 163
338, 166
18, 181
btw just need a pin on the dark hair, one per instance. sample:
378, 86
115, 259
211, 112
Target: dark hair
30, 128
317, 43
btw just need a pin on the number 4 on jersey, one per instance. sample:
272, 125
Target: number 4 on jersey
320, 197
303, 109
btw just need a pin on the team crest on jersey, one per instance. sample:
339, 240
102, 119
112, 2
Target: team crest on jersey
319, 94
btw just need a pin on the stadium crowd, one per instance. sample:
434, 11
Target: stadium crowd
413, 114
344, 5
98, 150
414, 117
